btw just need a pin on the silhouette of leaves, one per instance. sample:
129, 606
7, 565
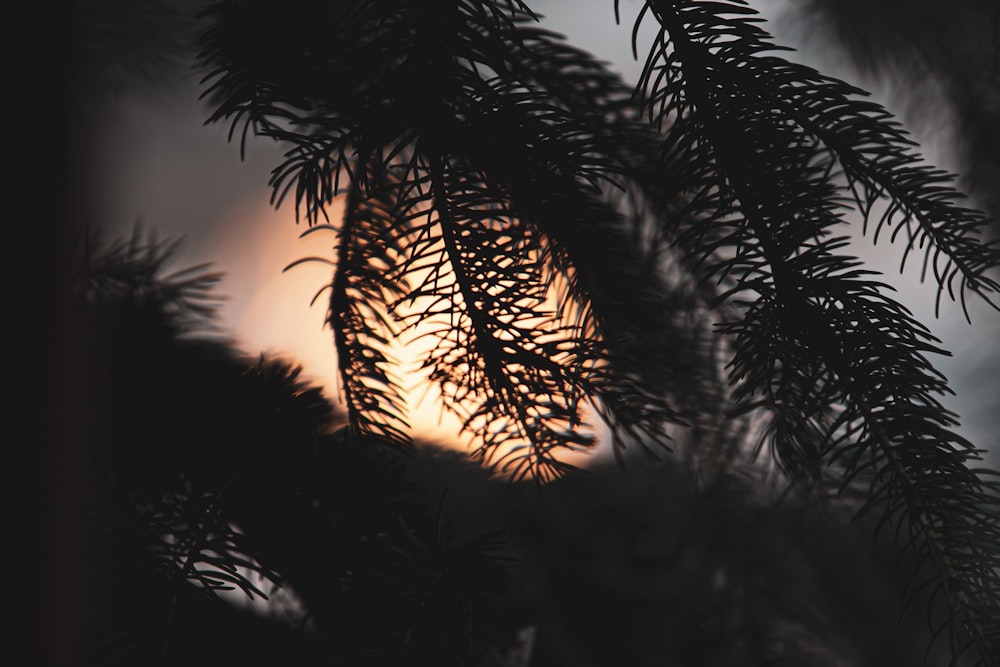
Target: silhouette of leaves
462, 185
841, 367
364, 286
556, 247
218, 473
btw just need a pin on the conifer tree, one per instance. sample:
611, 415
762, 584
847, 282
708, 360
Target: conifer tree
575, 245
488, 164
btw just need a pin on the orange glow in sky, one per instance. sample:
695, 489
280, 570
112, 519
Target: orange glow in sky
267, 309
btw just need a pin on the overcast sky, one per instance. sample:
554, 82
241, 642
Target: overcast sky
154, 162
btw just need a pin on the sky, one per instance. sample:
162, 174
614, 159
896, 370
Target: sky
154, 163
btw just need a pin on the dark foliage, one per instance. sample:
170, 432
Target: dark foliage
221, 473
566, 241
463, 126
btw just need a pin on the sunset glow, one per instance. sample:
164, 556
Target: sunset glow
279, 311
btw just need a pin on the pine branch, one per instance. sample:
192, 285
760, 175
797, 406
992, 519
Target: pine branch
503, 360
363, 286
873, 151
841, 365
539, 127
131, 273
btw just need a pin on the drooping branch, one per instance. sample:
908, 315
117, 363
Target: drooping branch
841, 366
363, 286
